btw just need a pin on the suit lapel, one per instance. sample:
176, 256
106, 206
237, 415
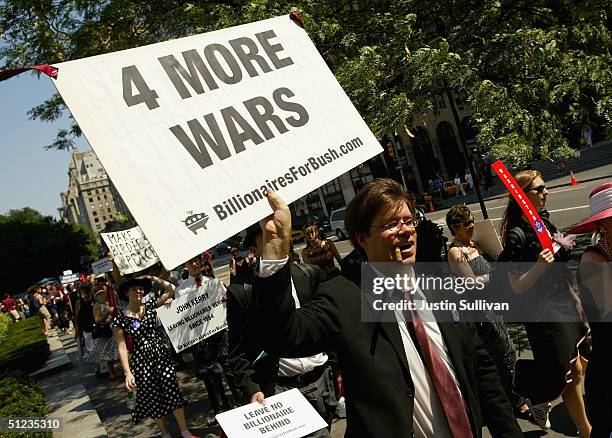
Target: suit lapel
301, 284
390, 331
452, 340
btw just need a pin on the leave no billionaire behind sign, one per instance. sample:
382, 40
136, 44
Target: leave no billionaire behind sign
195, 131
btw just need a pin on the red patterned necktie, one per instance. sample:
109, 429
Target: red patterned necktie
198, 281
448, 393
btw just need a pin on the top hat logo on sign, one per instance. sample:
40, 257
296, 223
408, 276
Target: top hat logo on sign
195, 221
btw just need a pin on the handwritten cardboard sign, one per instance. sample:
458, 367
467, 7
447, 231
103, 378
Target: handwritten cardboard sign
131, 250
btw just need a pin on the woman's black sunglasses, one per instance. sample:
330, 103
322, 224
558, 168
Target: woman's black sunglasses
539, 189
466, 223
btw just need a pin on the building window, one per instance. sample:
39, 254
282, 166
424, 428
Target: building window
94, 213
98, 198
90, 199
360, 176
106, 197
97, 192
96, 220
109, 210
332, 195
104, 218
98, 227
313, 202
100, 205
107, 204
92, 206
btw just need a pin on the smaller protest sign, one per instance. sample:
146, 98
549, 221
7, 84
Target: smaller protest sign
196, 315
102, 266
287, 414
487, 239
69, 279
131, 250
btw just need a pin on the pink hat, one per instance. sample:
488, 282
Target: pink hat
600, 201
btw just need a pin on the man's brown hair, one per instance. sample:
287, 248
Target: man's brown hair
376, 196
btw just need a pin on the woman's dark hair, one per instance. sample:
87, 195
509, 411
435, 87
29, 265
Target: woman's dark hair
513, 210
456, 215
310, 223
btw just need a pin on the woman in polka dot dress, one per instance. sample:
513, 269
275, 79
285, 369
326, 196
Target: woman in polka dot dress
150, 367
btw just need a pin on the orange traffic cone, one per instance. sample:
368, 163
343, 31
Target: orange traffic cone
431, 206
573, 181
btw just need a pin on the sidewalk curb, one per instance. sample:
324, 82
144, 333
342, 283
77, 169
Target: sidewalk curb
554, 187
68, 401
505, 195
58, 359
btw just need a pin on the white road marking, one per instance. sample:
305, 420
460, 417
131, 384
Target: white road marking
489, 209
569, 190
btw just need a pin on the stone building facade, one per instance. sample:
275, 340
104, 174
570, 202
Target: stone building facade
89, 199
412, 155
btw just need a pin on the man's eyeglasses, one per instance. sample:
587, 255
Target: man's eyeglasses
539, 189
396, 226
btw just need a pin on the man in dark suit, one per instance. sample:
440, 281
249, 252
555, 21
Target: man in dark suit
402, 378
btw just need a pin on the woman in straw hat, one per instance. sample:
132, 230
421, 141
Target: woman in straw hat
555, 330
150, 367
595, 280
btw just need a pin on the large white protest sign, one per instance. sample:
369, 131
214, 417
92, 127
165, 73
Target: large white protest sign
287, 414
194, 131
101, 266
131, 250
196, 315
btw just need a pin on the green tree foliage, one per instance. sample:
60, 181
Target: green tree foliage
534, 71
36, 246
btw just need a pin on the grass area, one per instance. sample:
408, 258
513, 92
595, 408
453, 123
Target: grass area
5, 323
25, 347
21, 396
24, 350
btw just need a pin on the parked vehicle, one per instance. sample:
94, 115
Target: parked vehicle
336, 220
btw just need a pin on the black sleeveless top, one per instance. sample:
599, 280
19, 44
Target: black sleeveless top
479, 264
86, 317
551, 292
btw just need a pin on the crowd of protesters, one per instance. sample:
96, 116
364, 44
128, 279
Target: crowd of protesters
298, 325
